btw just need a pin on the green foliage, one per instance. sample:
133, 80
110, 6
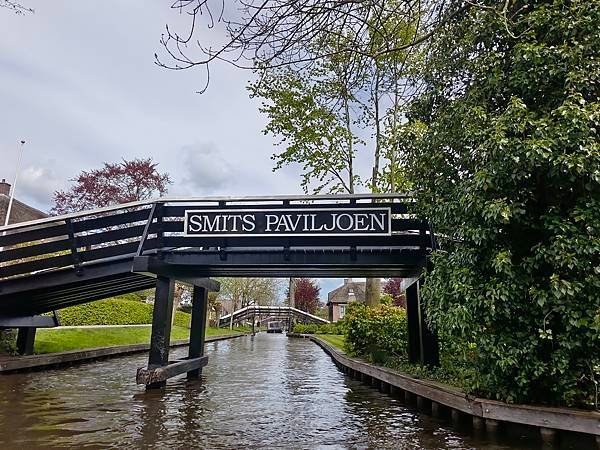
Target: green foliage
313, 328
377, 333
8, 342
503, 150
114, 311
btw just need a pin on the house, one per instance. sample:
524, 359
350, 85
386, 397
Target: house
20, 212
338, 299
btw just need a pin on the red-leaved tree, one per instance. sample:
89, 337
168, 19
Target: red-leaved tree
116, 183
392, 288
306, 295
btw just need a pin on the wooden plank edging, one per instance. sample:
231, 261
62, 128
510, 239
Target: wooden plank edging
50, 360
566, 419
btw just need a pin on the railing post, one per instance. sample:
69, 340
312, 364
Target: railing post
198, 327
73, 243
159, 229
161, 326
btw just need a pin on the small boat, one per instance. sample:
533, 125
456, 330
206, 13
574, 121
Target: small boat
274, 327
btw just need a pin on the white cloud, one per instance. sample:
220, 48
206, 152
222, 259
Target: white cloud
37, 184
205, 168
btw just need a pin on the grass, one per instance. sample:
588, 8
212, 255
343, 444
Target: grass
337, 340
50, 340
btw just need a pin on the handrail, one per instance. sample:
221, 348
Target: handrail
267, 308
228, 199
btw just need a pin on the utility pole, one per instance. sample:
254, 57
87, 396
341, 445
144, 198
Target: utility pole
14, 185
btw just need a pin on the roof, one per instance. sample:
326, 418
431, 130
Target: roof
20, 211
342, 293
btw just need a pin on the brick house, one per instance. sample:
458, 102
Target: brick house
20, 211
338, 299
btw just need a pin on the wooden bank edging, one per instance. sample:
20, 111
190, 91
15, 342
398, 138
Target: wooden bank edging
50, 360
565, 419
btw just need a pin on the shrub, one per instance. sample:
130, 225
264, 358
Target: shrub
114, 311
376, 333
313, 328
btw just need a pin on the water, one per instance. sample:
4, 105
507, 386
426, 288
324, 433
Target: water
266, 392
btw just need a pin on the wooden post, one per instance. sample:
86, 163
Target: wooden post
423, 344
412, 317
25, 340
161, 326
429, 346
198, 327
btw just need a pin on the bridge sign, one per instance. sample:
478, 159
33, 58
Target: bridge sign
367, 221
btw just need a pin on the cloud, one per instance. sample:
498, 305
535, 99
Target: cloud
206, 170
37, 184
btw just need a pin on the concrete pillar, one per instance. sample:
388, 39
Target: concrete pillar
198, 327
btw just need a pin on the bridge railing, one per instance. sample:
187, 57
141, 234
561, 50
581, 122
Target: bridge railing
123, 231
257, 310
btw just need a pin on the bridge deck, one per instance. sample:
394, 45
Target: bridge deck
65, 260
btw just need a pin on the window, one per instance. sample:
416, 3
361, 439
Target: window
342, 310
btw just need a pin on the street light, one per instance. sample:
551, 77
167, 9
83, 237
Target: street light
14, 185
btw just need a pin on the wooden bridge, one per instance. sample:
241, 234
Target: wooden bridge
66, 260
262, 313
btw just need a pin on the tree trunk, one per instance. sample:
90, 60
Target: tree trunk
372, 291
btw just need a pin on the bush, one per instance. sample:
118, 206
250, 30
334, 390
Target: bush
313, 328
376, 333
114, 311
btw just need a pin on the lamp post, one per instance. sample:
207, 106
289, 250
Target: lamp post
14, 185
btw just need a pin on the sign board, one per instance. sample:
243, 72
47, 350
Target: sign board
366, 221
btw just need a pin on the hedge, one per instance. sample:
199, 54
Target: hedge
376, 333
313, 328
114, 311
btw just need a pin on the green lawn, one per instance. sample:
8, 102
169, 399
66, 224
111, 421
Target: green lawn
337, 340
50, 340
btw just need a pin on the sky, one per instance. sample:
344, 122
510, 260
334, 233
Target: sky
79, 84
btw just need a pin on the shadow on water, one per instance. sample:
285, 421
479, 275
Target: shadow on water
266, 392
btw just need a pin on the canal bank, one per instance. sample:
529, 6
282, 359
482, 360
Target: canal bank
484, 415
10, 364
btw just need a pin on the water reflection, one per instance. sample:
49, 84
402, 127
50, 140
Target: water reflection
267, 392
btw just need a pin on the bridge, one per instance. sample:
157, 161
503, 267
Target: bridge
66, 260
262, 313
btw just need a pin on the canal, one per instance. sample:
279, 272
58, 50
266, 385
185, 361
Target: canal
266, 392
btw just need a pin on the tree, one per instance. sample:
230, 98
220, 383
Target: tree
115, 183
392, 287
306, 295
278, 33
244, 291
506, 164
15, 7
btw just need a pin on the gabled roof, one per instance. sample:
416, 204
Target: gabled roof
342, 293
20, 211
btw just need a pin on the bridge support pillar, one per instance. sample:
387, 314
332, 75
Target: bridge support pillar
25, 340
161, 326
198, 327
423, 344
